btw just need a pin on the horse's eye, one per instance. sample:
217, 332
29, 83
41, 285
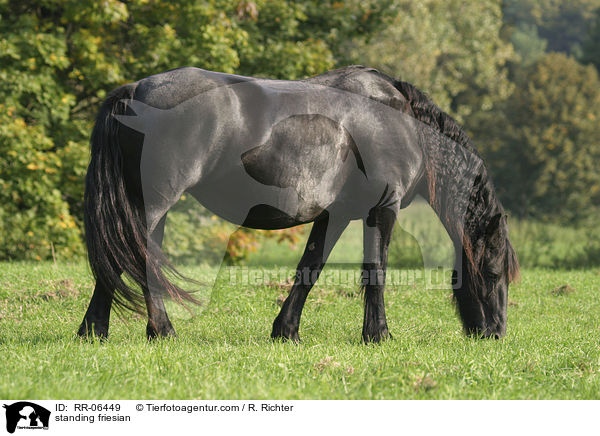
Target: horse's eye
494, 270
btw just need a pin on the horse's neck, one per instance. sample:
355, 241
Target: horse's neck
453, 173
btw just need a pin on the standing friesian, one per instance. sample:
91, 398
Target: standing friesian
348, 144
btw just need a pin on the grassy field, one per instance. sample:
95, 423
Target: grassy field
224, 351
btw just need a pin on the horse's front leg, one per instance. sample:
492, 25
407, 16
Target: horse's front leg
97, 317
323, 236
159, 324
377, 234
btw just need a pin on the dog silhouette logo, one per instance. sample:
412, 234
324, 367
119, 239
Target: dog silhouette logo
26, 415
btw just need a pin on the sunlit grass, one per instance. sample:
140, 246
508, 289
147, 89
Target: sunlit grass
223, 349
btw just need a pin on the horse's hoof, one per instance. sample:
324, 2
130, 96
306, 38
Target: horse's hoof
285, 332
164, 331
291, 337
91, 330
479, 335
376, 337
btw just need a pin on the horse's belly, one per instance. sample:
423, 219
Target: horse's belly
268, 217
242, 200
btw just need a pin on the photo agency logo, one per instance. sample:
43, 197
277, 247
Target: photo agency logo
26, 416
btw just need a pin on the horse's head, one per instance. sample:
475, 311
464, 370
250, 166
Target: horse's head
489, 264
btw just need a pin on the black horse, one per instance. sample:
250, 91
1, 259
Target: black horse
348, 144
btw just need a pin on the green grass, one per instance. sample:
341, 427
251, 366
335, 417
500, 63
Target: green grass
224, 351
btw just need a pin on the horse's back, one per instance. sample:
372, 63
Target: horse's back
170, 88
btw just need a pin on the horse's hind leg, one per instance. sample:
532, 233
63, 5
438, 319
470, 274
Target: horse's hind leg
159, 324
377, 233
96, 319
323, 236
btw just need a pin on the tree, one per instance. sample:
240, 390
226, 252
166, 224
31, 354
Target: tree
542, 143
450, 49
562, 23
527, 43
591, 45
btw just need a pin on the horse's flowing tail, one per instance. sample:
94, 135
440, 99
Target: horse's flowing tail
115, 225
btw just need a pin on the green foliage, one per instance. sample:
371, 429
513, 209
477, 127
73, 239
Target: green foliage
591, 45
452, 50
273, 28
562, 23
528, 44
34, 114
34, 218
291, 40
545, 245
193, 235
544, 165
420, 240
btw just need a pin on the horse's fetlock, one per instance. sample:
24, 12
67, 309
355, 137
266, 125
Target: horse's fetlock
90, 329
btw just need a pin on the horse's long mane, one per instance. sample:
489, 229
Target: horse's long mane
482, 202
429, 113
